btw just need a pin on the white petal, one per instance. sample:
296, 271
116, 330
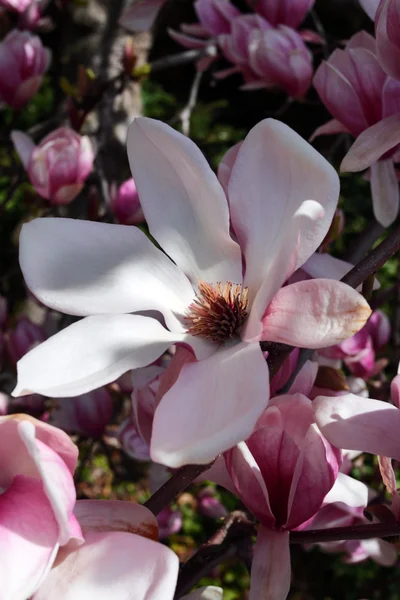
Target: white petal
85, 268
274, 174
214, 404
92, 353
183, 202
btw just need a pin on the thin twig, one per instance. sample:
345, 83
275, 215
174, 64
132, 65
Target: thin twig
179, 481
352, 532
182, 58
186, 113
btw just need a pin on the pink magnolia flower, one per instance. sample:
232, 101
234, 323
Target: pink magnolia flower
169, 522
23, 338
358, 352
208, 303
23, 61
364, 101
16, 5
141, 15
125, 203
120, 557
37, 498
209, 505
87, 414
282, 473
59, 165
268, 56
282, 12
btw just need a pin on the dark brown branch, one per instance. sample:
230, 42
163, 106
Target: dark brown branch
353, 532
177, 483
374, 259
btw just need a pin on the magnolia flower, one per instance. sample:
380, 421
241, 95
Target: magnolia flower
37, 497
364, 101
59, 165
87, 414
125, 203
23, 337
282, 196
388, 36
23, 62
282, 473
120, 557
16, 5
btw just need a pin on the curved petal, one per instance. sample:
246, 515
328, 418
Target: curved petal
120, 270
57, 480
215, 402
330, 128
274, 174
349, 491
116, 515
270, 571
385, 192
92, 353
370, 7
359, 423
23, 145
183, 202
125, 566
314, 314
371, 144
226, 165
28, 538
141, 15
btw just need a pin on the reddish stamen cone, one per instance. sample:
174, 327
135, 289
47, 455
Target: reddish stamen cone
218, 312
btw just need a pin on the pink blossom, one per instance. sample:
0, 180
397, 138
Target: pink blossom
209, 505
188, 214
119, 557
87, 414
125, 203
59, 165
37, 498
169, 522
16, 5
23, 338
282, 473
364, 101
268, 56
282, 12
23, 61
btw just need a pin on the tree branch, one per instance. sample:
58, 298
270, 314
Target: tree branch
352, 532
177, 483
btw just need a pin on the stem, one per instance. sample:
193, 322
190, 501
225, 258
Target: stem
374, 259
177, 483
182, 58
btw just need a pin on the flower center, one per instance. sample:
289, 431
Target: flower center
218, 312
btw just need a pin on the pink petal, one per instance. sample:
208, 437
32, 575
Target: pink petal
388, 52
57, 481
23, 145
93, 352
211, 407
330, 128
360, 424
226, 165
314, 314
305, 379
218, 473
275, 158
372, 144
270, 571
116, 515
123, 565
349, 491
188, 41
28, 538
370, 7
385, 192
66, 193
120, 270
141, 15
183, 202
